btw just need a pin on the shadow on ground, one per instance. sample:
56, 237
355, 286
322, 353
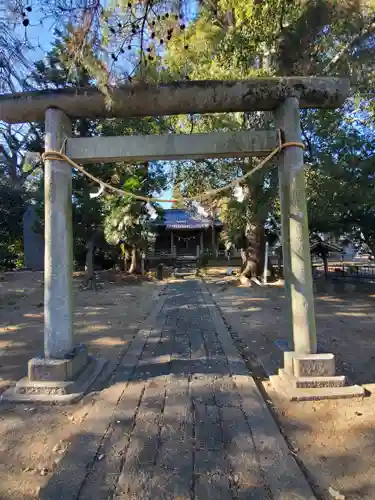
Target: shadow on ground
177, 429
344, 326
106, 320
333, 439
177, 444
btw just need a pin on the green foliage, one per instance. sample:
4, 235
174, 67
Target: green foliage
108, 217
227, 39
341, 179
242, 39
12, 202
127, 221
18, 180
177, 195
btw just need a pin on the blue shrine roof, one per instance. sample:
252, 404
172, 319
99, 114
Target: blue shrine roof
177, 218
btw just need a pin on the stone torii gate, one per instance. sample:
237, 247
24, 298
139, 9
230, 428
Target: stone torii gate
66, 371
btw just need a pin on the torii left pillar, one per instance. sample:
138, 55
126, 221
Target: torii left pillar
58, 250
65, 371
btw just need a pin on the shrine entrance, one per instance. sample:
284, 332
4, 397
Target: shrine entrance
186, 243
64, 364
181, 233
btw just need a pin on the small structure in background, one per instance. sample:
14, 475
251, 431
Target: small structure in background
182, 233
322, 249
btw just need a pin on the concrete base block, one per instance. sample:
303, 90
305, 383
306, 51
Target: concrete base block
287, 390
314, 365
313, 382
60, 392
312, 377
52, 370
309, 365
288, 362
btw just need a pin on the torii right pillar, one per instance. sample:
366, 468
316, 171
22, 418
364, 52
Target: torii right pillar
306, 373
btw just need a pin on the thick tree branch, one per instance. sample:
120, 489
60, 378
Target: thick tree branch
362, 35
308, 142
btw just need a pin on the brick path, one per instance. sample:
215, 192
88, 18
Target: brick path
182, 419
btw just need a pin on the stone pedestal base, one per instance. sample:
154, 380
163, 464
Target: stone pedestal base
57, 380
312, 377
61, 370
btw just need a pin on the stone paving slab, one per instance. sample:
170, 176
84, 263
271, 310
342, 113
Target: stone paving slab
182, 420
246, 473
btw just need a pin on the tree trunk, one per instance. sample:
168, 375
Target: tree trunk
325, 264
12, 166
133, 265
253, 255
121, 258
280, 263
119, 266
248, 264
213, 240
89, 277
370, 241
142, 264
254, 230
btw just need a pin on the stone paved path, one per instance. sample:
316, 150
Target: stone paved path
182, 419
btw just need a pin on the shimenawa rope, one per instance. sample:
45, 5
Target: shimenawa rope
60, 156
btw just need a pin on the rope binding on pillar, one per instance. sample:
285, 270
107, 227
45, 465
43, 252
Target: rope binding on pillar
61, 156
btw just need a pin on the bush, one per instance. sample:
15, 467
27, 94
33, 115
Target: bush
11, 256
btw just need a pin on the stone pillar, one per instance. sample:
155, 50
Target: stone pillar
295, 233
172, 243
58, 258
66, 371
284, 195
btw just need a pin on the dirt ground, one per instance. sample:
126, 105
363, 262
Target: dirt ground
334, 441
33, 438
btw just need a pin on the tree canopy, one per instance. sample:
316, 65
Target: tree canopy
161, 40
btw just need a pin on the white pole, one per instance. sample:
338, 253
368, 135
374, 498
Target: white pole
265, 264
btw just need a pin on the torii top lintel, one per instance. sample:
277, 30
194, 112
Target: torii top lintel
202, 96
